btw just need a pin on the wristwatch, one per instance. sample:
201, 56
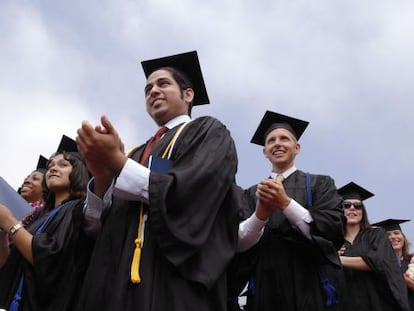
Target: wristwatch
15, 228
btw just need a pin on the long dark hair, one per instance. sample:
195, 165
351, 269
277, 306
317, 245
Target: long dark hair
365, 224
78, 179
406, 248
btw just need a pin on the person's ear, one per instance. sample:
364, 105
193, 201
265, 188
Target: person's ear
297, 148
188, 95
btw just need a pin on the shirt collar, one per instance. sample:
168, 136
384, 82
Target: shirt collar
286, 173
177, 120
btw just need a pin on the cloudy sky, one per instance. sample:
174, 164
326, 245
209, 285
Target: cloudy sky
347, 67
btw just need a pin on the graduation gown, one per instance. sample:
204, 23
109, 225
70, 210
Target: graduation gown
190, 234
403, 268
284, 264
60, 256
382, 288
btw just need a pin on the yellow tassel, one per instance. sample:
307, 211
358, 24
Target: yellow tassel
135, 277
136, 259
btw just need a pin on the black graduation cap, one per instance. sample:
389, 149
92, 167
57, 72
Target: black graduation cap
390, 224
70, 146
354, 191
188, 64
272, 120
41, 163
67, 144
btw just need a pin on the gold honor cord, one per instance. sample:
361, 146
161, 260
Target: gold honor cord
136, 259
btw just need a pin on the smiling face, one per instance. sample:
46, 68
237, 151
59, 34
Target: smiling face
353, 213
57, 175
281, 148
31, 190
164, 98
397, 240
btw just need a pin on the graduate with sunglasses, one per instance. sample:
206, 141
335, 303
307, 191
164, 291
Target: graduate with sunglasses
372, 274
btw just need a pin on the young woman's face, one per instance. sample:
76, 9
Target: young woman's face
353, 211
397, 240
57, 175
31, 190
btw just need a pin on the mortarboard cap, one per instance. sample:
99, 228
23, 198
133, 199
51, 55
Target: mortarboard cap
41, 164
188, 64
354, 191
67, 144
272, 120
390, 224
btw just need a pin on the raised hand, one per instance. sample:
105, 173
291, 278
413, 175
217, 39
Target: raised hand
272, 196
102, 150
272, 192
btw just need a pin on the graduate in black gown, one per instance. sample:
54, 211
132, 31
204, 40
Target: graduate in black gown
169, 230
401, 247
293, 230
42, 265
32, 190
372, 274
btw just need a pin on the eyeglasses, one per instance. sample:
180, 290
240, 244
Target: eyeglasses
356, 205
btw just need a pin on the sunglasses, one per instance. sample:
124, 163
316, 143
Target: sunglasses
356, 205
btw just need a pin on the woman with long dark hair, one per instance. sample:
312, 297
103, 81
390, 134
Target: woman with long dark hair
41, 266
32, 190
372, 277
401, 247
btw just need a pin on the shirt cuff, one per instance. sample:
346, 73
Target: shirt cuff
299, 217
93, 208
255, 224
133, 182
250, 232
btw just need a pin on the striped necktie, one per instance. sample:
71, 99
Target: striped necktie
151, 143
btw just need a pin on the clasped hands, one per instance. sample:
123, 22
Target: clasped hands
102, 149
271, 196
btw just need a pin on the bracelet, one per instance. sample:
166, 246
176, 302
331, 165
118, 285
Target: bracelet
15, 228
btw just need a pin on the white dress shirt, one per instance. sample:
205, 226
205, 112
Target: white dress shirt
132, 184
251, 229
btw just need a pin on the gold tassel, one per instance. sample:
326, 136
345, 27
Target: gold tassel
136, 259
135, 277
